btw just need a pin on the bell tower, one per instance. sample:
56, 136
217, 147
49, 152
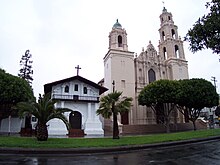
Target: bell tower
119, 65
118, 37
171, 48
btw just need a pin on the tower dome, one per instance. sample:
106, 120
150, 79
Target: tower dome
117, 25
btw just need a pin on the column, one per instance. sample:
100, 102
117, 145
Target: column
89, 112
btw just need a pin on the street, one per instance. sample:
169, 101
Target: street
202, 153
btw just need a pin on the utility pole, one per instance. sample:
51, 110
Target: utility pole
214, 80
212, 116
113, 87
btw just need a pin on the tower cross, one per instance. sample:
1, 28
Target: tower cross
77, 68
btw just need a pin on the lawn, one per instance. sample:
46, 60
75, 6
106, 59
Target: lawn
31, 142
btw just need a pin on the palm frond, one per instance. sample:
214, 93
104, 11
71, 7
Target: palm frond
113, 99
60, 116
124, 105
105, 112
63, 110
24, 108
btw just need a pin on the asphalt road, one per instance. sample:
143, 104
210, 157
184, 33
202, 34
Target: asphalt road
202, 153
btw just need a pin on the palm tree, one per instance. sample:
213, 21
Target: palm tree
111, 105
44, 111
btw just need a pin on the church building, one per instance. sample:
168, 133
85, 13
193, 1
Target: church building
131, 73
82, 97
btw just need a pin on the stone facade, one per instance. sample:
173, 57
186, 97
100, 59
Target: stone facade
132, 72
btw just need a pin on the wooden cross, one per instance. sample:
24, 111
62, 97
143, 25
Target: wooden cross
78, 68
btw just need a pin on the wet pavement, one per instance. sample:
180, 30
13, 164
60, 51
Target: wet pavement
202, 153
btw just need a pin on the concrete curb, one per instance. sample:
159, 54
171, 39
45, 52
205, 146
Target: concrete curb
80, 151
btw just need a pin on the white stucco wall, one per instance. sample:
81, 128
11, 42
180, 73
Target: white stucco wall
12, 125
91, 123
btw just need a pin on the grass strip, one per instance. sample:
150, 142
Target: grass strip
31, 142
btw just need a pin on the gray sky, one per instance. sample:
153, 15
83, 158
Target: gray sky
62, 34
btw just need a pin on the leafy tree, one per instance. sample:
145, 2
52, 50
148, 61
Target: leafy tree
161, 97
44, 111
13, 89
26, 70
111, 105
205, 33
194, 95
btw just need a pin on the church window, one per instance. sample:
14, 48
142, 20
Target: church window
162, 19
151, 76
163, 36
173, 33
119, 41
177, 51
76, 87
169, 18
85, 90
123, 83
66, 89
34, 119
140, 72
165, 53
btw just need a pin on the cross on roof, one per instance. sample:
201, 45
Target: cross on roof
78, 68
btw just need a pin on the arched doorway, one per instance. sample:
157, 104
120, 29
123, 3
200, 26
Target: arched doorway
75, 119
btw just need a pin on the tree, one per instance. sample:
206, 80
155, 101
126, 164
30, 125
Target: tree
26, 73
26, 70
205, 33
111, 105
13, 89
194, 95
44, 111
160, 96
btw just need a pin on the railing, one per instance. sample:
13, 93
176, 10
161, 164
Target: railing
75, 97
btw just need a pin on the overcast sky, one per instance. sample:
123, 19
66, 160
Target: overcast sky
62, 34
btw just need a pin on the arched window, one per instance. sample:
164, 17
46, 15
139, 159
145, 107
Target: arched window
151, 76
66, 89
163, 36
84, 90
177, 51
119, 41
169, 18
173, 33
76, 87
165, 53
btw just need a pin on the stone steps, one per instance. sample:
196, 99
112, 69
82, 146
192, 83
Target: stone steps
76, 133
